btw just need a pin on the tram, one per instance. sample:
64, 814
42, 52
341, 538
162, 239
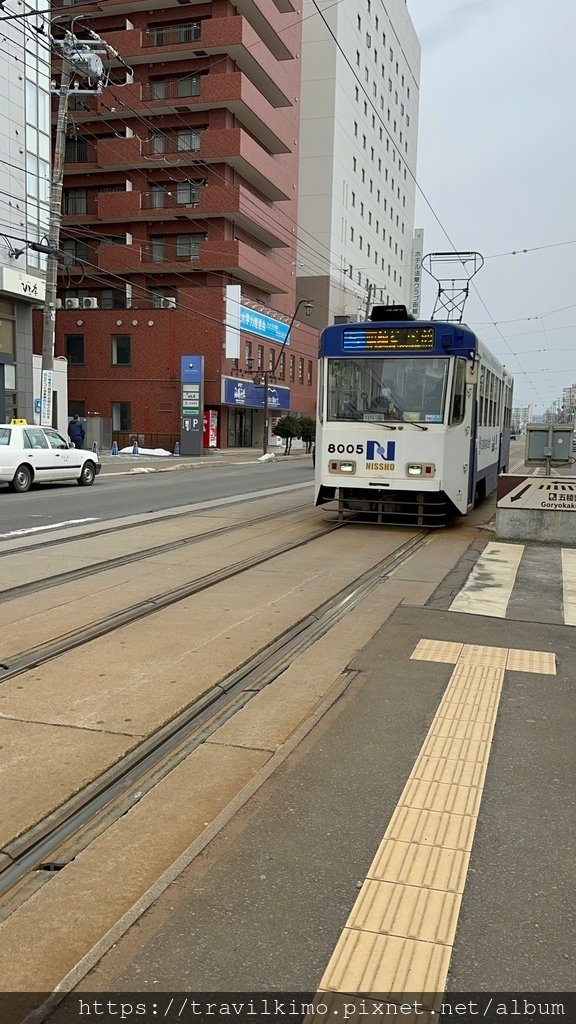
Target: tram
413, 421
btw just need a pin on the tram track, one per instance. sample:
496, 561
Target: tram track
16, 664
74, 575
159, 753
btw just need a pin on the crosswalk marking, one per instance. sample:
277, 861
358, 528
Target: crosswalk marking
489, 586
535, 582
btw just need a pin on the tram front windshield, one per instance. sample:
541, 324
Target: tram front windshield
387, 389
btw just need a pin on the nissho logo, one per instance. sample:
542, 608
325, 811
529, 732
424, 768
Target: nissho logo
387, 451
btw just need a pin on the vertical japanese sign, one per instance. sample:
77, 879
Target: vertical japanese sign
417, 250
191, 404
46, 398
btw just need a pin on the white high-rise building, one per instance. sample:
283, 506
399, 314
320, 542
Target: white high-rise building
358, 145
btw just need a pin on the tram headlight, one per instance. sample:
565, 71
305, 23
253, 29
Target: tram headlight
420, 469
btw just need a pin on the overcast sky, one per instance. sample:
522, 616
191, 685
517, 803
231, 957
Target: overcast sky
497, 165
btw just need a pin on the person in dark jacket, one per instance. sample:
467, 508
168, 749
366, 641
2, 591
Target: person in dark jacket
76, 432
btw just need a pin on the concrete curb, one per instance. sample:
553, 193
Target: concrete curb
113, 469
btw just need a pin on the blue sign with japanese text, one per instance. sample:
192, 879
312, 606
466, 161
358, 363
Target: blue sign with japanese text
262, 325
250, 396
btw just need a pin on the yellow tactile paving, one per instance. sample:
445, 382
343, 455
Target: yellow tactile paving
453, 726
438, 796
541, 662
431, 828
406, 910
455, 750
415, 864
453, 773
399, 935
437, 650
365, 962
495, 657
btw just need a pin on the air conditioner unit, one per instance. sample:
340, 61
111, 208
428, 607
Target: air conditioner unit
169, 302
59, 304
72, 303
90, 303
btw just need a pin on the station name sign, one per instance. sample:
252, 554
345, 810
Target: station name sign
556, 495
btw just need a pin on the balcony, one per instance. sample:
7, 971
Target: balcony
232, 202
232, 92
236, 258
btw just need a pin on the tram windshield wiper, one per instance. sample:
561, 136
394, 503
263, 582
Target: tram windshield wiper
414, 424
382, 423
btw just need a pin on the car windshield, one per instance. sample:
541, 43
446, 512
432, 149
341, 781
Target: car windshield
404, 388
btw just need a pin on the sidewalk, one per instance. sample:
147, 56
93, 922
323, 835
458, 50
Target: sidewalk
136, 464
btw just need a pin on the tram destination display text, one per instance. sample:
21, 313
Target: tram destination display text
374, 339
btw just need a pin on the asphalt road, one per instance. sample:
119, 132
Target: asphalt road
114, 496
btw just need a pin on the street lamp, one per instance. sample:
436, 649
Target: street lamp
263, 379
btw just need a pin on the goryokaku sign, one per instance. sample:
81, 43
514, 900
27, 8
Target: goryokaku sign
551, 494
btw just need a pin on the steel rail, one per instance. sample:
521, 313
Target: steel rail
73, 575
221, 702
16, 664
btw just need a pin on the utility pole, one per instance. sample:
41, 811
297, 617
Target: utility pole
81, 57
369, 290
267, 375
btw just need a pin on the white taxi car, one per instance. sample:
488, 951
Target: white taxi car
31, 454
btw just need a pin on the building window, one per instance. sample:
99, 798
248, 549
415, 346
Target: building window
260, 365
121, 350
76, 151
112, 298
189, 86
76, 251
271, 359
292, 368
75, 348
121, 416
310, 372
188, 31
282, 370
75, 201
7, 326
300, 371
157, 250
188, 193
248, 351
188, 140
188, 246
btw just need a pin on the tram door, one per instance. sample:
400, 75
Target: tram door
240, 428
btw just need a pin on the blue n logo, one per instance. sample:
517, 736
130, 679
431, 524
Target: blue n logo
387, 451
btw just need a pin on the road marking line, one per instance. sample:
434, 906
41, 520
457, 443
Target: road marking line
49, 526
400, 932
488, 589
569, 585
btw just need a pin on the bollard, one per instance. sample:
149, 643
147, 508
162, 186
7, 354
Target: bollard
177, 448
114, 448
135, 448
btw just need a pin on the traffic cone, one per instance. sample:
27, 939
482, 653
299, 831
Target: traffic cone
114, 448
177, 448
135, 448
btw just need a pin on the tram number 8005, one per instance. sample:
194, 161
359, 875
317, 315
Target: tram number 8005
346, 449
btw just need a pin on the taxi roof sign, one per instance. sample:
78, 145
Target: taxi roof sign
19, 423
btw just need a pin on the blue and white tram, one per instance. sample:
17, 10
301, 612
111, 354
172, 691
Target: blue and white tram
413, 419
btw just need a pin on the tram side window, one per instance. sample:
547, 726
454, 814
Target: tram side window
458, 404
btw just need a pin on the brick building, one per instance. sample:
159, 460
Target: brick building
181, 181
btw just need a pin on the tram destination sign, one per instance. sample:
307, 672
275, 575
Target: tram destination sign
388, 339
552, 495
